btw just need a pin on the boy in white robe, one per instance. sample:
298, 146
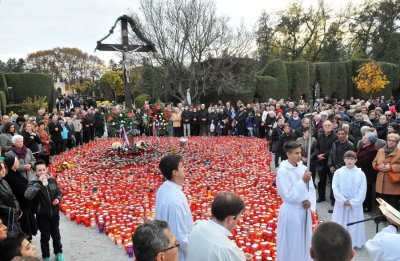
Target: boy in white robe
297, 191
349, 186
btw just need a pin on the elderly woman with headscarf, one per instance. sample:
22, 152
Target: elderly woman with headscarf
25, 157
388, 160
8, 202
18, 185
365, 155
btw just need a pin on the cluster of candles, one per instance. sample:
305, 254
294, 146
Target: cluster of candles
116, 194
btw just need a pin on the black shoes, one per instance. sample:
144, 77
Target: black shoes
330, 211
319, 200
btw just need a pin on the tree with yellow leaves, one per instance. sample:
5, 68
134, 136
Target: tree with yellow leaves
370, 78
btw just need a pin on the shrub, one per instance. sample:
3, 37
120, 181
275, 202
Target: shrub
139, 100
31, 106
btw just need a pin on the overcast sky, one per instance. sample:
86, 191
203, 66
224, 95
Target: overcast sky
30, 25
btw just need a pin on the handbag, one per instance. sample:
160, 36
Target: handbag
394, 177
13, 227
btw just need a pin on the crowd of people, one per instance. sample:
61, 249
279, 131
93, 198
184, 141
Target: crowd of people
354, 150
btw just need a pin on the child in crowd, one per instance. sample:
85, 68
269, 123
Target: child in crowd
11, 248
349, 186
46, 196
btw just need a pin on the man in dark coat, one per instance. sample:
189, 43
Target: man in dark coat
55, 130
203, 120
357, 124
336, 157
321, 153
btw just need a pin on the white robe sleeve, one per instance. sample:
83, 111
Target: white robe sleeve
362, 191
339, 197
177, 222
375, 246
228, 254
290, 192
312, 196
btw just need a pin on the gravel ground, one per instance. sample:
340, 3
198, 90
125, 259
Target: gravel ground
82, 243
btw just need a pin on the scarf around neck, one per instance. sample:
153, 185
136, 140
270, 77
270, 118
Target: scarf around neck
20, 152
388, 151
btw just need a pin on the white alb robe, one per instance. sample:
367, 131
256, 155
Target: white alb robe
294, 228
385, 246
350, 184
172, 206
209, 241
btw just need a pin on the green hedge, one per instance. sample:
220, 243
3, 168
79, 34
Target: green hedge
392, 72
266, 87
16, 108
349, 73
298, 79
335, 78
322, 74
3, 84
3, 102
31, 84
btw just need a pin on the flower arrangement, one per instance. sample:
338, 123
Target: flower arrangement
156, 114
116, 118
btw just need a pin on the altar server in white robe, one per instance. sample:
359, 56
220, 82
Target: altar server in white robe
209, 239
385, 246
349, 186
297, 191
171, 204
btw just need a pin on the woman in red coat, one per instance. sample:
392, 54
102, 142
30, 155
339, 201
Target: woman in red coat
365, 155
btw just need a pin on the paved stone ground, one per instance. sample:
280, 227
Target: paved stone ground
82, 243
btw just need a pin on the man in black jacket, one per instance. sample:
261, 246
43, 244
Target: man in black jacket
227, 119
357, 124
203, 120
321, 153
186, 119
55, 130
336, 157
46, 195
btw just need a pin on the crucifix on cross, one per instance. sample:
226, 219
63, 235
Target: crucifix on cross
125, 48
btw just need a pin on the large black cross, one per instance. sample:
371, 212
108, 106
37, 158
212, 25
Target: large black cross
125, 48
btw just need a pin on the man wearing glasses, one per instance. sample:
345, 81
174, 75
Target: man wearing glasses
154, 240
209, 238
171, 204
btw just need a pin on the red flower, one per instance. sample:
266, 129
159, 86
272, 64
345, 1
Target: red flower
158, 107
116, 111
110, 118
149, 112
130, 114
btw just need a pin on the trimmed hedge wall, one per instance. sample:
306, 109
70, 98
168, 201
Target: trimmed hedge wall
272, 81
335, 79
298, 76
391, 70
3, 102
3, 84
31, 84
266, 86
